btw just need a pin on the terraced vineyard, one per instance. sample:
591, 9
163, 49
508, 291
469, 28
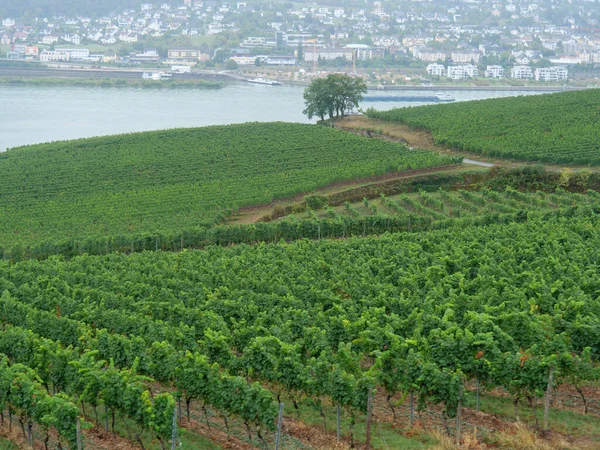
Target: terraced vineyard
513, 306
445, 205
555, 128
178, 179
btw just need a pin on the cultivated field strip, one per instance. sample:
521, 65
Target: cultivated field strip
178, 179
562, 128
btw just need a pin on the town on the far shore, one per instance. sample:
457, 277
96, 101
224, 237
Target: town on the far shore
525, 40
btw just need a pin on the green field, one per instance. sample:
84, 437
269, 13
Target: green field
179, 179
558, 128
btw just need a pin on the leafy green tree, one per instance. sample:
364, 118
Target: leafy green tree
335, 96
230, 64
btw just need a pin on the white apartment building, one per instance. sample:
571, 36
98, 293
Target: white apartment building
521, 72
494, 72
74, 39
57, 55
311, 54
437, 70
464, 57
281, 60
76, 53
244, 60
462, 72
551, 74
49, 40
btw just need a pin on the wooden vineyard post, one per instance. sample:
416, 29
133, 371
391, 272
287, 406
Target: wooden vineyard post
105, 418
459, 414
547, 399
78, 429
174, 433
30, 434
369, 417
478, 393
279, 424
412, 410
339, 413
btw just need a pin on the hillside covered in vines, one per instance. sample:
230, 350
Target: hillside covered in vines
512, 306
178, 179
558, 128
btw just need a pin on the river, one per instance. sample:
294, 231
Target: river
34, 114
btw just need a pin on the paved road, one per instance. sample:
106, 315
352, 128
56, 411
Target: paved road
478, 163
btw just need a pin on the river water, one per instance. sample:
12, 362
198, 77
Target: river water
35, 114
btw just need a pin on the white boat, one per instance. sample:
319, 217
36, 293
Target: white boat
440, 97
261, 80
156, 76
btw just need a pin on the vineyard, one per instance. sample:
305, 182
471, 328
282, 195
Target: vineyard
445, 205
558, 128
294, 287
430, 315
178, 179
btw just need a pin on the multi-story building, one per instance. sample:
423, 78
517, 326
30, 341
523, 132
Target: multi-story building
551, 73
252, 41
462, 72
458, 56
57, 55
327, 54
521, 72
31, 50
74, 39
77, 53
365, 52
19, 48
437, 70
494, 72
185, 54
149, 56
244, 60
49, 39
429, 54
281, 60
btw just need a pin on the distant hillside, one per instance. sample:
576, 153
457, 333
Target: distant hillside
42, 8
178, 180
556, 128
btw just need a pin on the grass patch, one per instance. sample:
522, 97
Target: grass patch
559, 420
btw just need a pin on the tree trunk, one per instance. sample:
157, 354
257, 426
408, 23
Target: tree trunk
389, 400
322, 414
582, 395
533, 402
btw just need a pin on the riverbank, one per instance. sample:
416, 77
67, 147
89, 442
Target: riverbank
114, 82
55, 72
458, 87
